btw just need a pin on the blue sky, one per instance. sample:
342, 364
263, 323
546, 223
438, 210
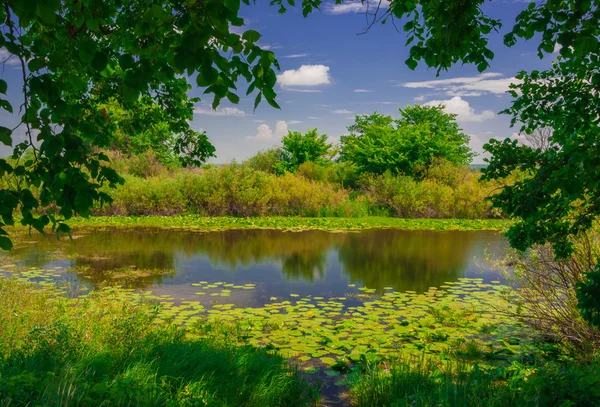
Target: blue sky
329, 73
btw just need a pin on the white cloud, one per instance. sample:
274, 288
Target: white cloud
342, 111
313, 117
419, 98
294, 121
303, 90
557, 48
8, 58
226, 111
357, 6
490, 82
264, 132
306, 75
296, 56
361, 90
462, 109
259, 121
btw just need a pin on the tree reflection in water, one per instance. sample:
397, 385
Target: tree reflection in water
405, 260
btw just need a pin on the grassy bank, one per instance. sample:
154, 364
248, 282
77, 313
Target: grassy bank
446, 347
106, 350
201, 223
427, 383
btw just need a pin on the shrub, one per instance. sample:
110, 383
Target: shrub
546, 290
234, 190
266, 160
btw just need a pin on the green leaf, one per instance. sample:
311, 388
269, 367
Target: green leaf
233, 98
5, 104
273, 103
251, 36
63, 228
3, 86
5, 243
46, 12
233, 5
100, 60
126, 61
257, 100
93, 25
411, 63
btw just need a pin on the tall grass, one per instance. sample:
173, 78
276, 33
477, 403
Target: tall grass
314, 190
103, 350
428, 384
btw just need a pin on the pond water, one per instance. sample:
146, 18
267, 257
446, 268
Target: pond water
250, 267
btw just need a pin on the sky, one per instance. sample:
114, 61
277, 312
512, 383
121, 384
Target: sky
330, 72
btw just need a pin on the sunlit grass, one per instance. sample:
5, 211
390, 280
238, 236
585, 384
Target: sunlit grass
103, 350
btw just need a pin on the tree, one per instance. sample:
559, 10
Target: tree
144, 127
409, 145
75, 57
298, 148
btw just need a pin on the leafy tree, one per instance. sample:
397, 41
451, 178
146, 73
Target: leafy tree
75, 57
298, 148
144, 127
409, 145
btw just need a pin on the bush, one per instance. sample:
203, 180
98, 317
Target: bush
315, 189
234, 190
546, 290
266, 160
409, 198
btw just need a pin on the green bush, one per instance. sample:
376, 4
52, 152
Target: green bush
446, 192
315, 189
234, 190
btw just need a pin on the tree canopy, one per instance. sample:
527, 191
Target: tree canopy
298, 148
408, 145
76, 57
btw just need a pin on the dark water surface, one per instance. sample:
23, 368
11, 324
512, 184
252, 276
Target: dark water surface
278, 263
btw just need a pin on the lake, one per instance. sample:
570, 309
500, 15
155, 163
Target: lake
250, 267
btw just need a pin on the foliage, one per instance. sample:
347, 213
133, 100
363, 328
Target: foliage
298, 148
144, 126
446, 191
265, 160
547, 290
234, 190
408, 146
76, 57
428, 383
107, 349
315, 189
561, 196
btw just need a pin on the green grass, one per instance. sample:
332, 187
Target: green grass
439, 384
195, 222
104, 350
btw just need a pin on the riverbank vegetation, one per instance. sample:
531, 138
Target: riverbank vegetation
448, 346
50, 354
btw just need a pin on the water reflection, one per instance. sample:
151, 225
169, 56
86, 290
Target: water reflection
311, 262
